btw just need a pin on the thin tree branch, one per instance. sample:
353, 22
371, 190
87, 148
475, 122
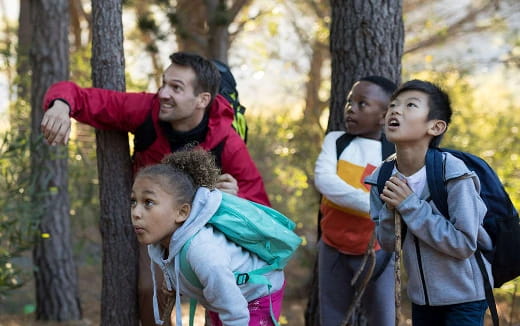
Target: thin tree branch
236, 7
453, 29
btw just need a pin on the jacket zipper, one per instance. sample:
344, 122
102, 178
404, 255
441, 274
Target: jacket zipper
418, 252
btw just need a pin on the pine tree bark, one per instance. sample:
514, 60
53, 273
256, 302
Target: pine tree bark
366, 38
25, 27
57, 294
120, 251
20, 112
202, 26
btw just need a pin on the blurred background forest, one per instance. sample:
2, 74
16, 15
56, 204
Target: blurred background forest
279, 53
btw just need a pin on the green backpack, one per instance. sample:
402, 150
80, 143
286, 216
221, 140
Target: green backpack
255, 227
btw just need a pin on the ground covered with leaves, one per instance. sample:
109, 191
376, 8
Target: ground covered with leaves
12, 313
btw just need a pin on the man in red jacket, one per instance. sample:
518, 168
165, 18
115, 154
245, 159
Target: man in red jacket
186, 110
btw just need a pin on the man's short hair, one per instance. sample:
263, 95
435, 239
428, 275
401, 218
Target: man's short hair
206, 74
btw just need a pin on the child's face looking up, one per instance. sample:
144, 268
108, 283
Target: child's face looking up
365, 110
407, 118
155, 211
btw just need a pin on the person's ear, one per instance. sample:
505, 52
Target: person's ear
203, 99
437, 127
184, 212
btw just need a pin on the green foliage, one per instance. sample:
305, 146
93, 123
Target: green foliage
286, 159
80, 69
18, 214
84, 199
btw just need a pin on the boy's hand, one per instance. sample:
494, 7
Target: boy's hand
227, 183
55, 124
395, 191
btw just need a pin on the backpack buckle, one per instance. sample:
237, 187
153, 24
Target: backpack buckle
242, 278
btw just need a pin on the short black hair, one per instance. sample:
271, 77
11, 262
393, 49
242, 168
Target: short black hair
386, 84
206, 73
439, 102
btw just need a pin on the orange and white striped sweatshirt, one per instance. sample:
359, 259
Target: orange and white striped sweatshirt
345, 223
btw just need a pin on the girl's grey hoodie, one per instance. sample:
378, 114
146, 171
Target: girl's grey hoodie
213, 259
438, 252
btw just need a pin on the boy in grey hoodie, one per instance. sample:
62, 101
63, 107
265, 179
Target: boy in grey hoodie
445, 283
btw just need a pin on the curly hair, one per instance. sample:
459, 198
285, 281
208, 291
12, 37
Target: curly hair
183, 172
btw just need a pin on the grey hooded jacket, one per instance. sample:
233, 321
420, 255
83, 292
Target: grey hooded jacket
438, 253
213, 259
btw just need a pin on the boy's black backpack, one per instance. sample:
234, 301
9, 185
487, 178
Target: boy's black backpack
501, 220
228, 89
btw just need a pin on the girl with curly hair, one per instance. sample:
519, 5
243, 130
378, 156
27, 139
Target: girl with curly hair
171, 203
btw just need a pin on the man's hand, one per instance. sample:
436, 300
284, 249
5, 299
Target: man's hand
227, 183
55, 124
395, 191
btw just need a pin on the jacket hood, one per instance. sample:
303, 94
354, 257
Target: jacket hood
203, 207
221, 116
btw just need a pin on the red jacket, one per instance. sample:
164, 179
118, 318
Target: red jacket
112, 110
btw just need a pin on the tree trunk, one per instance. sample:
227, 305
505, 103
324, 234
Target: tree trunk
24, 44
218, 35
366, 38
202, 26
20, 113
57, 295
120, 253
190, 26
142, 9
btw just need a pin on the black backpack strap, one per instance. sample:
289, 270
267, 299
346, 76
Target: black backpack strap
217, 153
145, 135
490, 298
435, 176
385, 172
342, 142
387, 148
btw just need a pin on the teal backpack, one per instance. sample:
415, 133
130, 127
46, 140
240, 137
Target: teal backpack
257, 228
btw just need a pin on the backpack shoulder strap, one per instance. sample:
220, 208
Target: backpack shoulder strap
185, 267
217, 153
435, 176
385, 172
342, 142
387, 148
145, 135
